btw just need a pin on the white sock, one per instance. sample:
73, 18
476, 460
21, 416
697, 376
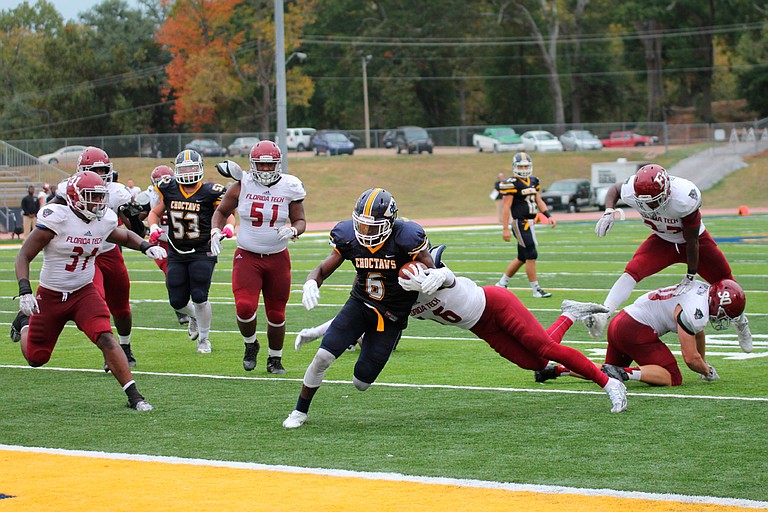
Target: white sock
534, 285
188, 310
204, 314
620, 292
275, 353
124, 340
250, 339
503, 279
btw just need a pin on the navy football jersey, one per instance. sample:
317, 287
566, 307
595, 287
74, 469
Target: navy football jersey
189, 215
523, 192
376, 280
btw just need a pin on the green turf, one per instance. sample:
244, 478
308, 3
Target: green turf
709, 441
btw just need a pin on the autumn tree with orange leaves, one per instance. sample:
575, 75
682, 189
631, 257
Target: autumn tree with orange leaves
222, 71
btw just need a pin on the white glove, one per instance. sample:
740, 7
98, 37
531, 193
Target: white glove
711, 376
156, 253
287, 233
216, 237
436, 277
685, 285
413, 282
28, 304
311, 294
605, 223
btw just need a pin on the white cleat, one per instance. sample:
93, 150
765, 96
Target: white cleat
203, 346
142, 406
295, 419
744, 334
305, 336
192, 329
596, 324
581, 309
617, 392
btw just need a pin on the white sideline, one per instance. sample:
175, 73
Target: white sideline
397, 477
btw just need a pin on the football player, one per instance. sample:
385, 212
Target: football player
72, 237
521, 198
499, 318
634, 334
188, 204
111, 277
377, 244
670, 206
271, 210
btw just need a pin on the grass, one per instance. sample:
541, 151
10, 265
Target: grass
446, 404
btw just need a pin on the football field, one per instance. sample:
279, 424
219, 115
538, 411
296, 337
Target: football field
449, 425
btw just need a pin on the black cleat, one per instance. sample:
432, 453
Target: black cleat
249, 359
129, 355
18, 323
183, 319
275, 365
548, 373
615, 372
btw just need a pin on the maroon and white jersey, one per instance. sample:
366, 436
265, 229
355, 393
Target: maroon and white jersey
656, 309
117, 195
263, 210
69, 259
667, 223
154, 198
461, 305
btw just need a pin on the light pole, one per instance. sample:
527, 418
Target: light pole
282, 126
366, 59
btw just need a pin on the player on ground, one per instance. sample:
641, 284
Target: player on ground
271, 210
71, 238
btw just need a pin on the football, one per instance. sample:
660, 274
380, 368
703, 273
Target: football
412, 267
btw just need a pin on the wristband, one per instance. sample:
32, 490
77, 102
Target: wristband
144, 246
25, 287
547, 214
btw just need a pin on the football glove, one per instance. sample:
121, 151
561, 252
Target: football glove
685, 285
711, 376
228, 231
28, 304
216, 236
156, 253
436, 277
287, 233
155, 233
413, 282
605, 223
311, 295
230, 169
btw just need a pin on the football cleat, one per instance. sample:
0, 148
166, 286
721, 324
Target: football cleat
183, 319
744, 334
249, 359
498, 283
596, 324
538, 293
275, 365
295, 419
129, 354
17, 325
615, 372
203, 346
548, 373
617, 392
581, 309
141, 406
192, 329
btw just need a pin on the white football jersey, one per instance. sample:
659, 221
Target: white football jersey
461, 305
69, 259
263, 210
656, 309
154, 198
684, 199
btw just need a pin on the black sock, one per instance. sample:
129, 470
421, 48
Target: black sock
133, 394
303, 404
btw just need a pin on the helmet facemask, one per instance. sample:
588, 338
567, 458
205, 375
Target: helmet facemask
267, 176
371, 231
89, 200
188, 168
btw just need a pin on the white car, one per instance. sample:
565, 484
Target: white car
540, 140
63, 156
299, 138
580, 140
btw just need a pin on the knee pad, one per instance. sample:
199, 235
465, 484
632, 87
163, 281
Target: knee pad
316, 369
245, 310
360, 385
198, 295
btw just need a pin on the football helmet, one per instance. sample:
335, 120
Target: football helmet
160, 172
266, 154
96, 160
374, 215
87, 194
651, 188
522, 165
726, 303
188, 167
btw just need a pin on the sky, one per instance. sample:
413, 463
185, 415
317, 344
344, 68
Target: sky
69, 9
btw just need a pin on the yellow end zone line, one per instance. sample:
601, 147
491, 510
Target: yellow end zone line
72, 480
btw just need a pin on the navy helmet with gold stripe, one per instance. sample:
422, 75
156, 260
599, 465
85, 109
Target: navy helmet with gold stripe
522, 165
188, 167
374, 215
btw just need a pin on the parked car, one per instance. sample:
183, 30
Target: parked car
571, 195
540, 140
206, 147
241, 146
628, 140
63, 156
356, 140
388, 139
580, 140
300, 138
413, 139
331, 142
497, 138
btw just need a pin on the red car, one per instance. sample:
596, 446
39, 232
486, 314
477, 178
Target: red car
628, 139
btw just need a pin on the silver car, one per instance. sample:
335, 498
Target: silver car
580, 140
